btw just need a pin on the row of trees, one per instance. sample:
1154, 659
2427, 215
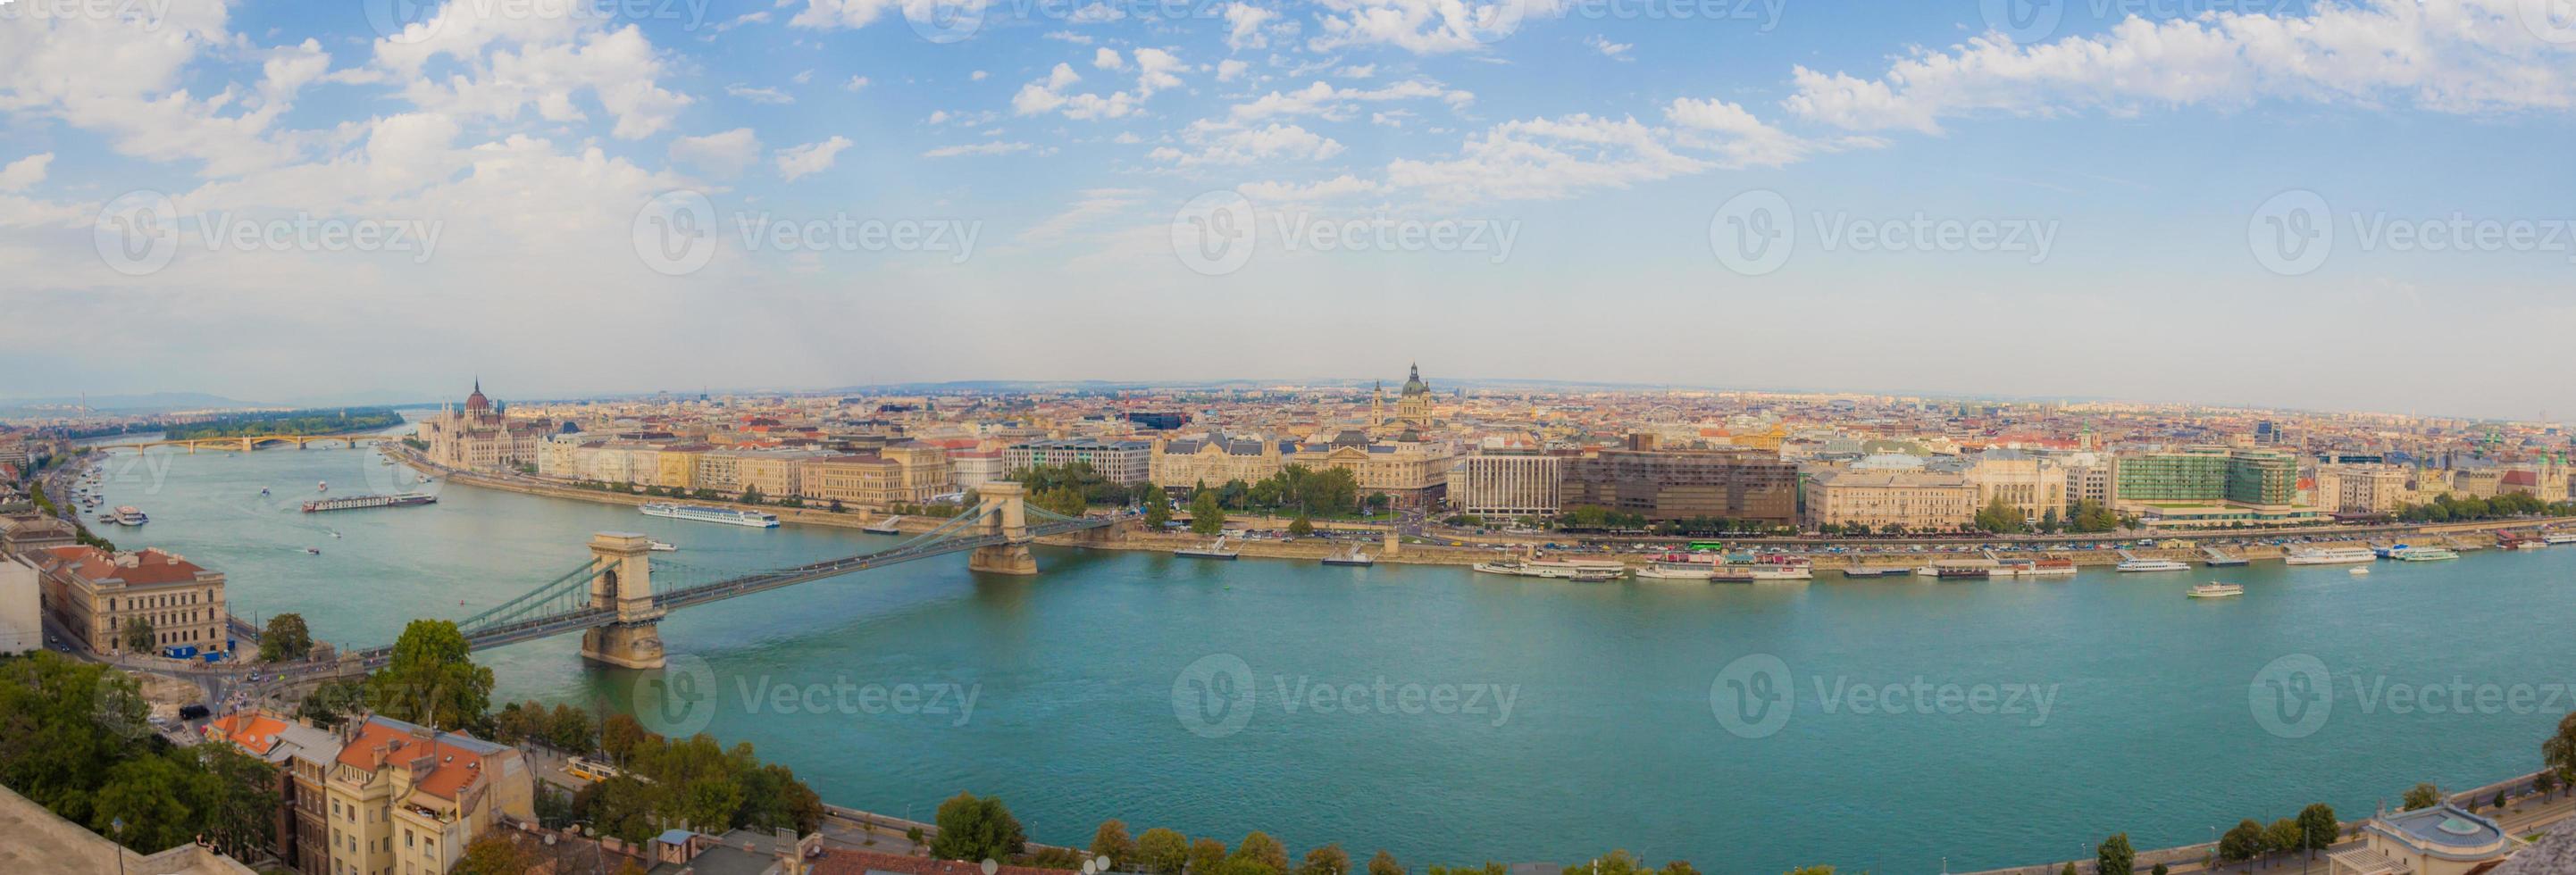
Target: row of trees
1162, 851
1299, 489
2445, 509
78, 743
286, 422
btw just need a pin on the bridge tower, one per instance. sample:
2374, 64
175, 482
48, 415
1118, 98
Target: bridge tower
1004, 515
635, 639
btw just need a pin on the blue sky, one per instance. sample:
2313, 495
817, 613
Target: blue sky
2085, 191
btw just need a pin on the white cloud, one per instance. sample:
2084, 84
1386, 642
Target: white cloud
810, 158
1069, 37
24, 173
855, 83
1244, 23
1097, 13
1322, 99
840, 14
1335, 188
1603, 45
996, 147
726, 154
1357, 71
1546, 159
2453, 56
1226, 144
1156, 70
977, 76
1107, 59
1049, 95
759, 95
522, 61
1230, 69
1426, 26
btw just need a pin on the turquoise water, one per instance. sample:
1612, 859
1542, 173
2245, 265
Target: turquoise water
1613, 737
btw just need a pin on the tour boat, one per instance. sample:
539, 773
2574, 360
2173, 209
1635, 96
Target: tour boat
1857, 571
2138, 565
2556, 538
2426, 554
323, 486
1598, 575
704, 514
1677, 571
1556, 569
1500, 566
2330, 556
312, 551
1214, 550
1352, 557
2361, 572
129, 515
2216, 590
661, 546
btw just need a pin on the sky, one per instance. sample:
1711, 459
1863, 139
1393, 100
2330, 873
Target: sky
2359, 205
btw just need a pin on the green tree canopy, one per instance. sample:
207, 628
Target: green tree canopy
2422, 796
2115, 856
285, 638
976, 829
429, 679
1162, 851
1111, 841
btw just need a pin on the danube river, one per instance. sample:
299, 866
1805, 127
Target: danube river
1453, 717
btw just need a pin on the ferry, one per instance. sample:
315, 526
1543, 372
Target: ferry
661, 546
360, 502
2141, 565
1857, 571
2330, 556
1558, 569
1598, 575
129, 515
1962, 572
892, 525
2426, 554
700, 513
1351, 557
2361, 572
2557, 538
2216, 590
322, 486
1214, 550
2037, 568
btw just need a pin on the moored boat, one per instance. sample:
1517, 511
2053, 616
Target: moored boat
2151, 565
705, 514
2216, 590
2330, 556
1351, 557
1214, 550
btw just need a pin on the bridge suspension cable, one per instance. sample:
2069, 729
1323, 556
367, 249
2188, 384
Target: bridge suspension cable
563, 594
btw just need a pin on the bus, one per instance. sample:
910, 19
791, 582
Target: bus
589, 769
1708, 546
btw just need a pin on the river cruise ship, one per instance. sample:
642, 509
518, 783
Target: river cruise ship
699, 513
2331, 556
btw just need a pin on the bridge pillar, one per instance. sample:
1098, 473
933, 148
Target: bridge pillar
1004, 515
635, 639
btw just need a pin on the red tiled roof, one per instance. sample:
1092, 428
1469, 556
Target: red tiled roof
249, 730
453, 768
150, 568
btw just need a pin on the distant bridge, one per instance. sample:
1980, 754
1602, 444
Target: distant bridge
249, 443
617, 605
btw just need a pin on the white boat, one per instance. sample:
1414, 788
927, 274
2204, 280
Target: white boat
2216, 590
2331, 556
2139, 565
129, 515
1351, 557
704, 514
1556, 569
2556, 538
661, 546
2426, 554
1216, 550
2361, 572
323, 486
1677, 571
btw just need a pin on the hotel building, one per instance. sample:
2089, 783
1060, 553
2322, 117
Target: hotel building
1734, 484
93, 595
1508, 485
1123, 462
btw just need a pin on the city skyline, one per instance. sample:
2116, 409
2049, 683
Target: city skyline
994, 195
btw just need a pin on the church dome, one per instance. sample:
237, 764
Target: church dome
1413, 384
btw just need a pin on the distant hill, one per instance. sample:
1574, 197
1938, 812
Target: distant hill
147, 403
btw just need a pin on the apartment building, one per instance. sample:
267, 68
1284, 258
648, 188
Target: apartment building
405, 800
1915, 500
1735, 484
303, 755
1124, 462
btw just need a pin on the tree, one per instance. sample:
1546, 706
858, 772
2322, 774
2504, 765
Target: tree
1384, 864
976, 829
2545, 783
235, 797
2160, 869
1617, 862
1678, 867
1258, 847
1301, 526
2559, 752
2000, 517
285, 638
1205, 856
2318, 828
620, 736
1326, 860
2115, 856
1157, 512
149, 794
1813, 870
1162, 851
1205, 517
2244, 842
138, 635
333, 702
2069, 868
751, 495
430, 681
2422, 796
1111, 841
2284, 835
493, 853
